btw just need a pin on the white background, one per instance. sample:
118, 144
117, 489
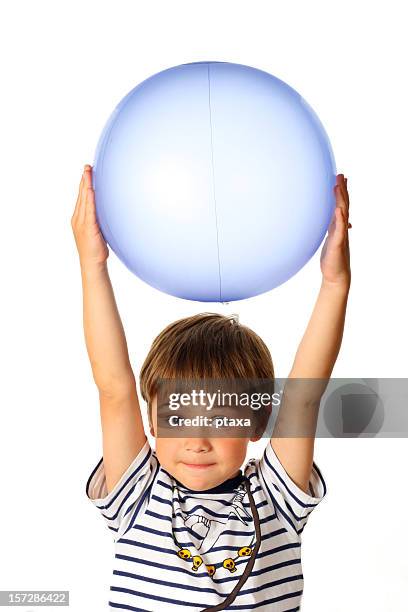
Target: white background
65, 66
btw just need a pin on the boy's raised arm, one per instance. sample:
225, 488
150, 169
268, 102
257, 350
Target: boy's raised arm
122, 424
317, 352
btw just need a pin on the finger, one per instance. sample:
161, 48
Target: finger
332, 223
88, 175
347, 235
347, 226
347, 198
333, 233
87, 185
82, 206
78, 202
340, 232
340, 208
82, 197
339, 198
343, 220
345, 192
85, 179
343, 187
90, 214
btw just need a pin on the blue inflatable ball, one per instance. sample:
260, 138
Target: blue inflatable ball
214, 181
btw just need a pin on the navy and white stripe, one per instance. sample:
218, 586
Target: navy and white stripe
292, 505
128, 498
153, 518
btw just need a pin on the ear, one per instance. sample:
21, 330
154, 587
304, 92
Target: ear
149, 414
255, 438
263, 422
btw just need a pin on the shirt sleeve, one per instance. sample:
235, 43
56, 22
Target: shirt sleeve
292, 505
127, 500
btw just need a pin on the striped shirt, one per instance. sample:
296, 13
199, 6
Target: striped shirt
179, 549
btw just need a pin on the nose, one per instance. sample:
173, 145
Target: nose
198, 445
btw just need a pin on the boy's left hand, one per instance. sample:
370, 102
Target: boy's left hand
335, 255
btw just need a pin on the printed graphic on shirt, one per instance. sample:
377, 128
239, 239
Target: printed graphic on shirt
205, 532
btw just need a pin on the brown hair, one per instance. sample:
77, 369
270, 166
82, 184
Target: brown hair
206, 345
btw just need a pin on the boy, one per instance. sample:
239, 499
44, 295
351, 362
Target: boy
191, 530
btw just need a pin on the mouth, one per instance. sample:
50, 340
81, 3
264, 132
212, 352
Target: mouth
198, 466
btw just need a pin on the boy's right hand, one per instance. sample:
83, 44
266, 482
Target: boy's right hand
91, 245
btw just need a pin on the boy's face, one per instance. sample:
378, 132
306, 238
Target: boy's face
199, 463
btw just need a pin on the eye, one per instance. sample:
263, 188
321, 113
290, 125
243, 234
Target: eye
164, 421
